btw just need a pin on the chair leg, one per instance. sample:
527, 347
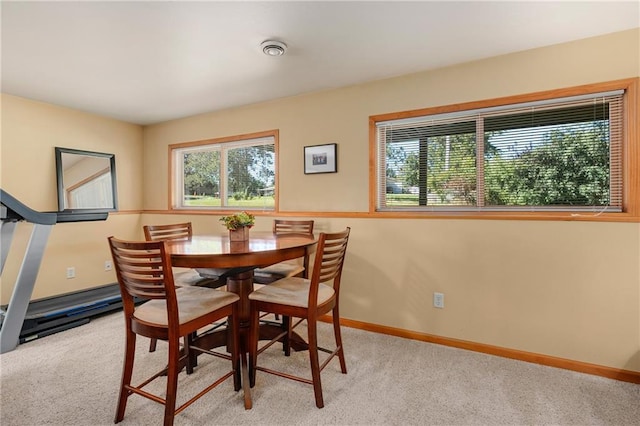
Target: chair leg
152, 345
127, 370
172, 381
254, 331
193, 359
286, 341
338, 335
234, 350
314, 361
191, 355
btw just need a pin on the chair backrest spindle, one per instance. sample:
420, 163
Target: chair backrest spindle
143, 268
327, 267
281, 226
176, 231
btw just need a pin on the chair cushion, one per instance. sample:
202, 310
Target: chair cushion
193, 302
291, 291
271, 273
193, 278
186, 278
211, 272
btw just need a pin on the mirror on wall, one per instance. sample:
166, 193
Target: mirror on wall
86, 180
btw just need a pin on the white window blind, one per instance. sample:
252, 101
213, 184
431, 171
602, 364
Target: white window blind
561, 154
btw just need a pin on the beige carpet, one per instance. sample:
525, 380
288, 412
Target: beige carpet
71, 378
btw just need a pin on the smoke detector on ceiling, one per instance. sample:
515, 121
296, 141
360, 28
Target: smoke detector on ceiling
273, 48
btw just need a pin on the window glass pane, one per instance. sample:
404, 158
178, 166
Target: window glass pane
201, 178
239, 173
549, 164
431, 165
402, 173
451, 170
251, 176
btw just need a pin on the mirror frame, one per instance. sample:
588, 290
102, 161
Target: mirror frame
60, 181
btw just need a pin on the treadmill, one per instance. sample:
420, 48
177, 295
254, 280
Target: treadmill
13, 211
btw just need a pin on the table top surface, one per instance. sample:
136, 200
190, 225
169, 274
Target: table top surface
262, 248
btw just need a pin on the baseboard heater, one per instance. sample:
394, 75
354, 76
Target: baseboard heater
58, 313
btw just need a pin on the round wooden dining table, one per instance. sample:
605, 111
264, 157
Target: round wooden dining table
240, 258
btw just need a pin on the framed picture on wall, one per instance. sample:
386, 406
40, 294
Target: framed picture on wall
320, 159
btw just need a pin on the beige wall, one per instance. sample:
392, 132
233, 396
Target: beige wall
30, 131
566, 289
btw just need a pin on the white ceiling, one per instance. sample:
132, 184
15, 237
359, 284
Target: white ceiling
147, 62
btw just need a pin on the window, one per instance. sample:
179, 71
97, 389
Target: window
551, 154
236, 172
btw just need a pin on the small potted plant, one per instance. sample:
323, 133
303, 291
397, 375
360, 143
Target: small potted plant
238, 225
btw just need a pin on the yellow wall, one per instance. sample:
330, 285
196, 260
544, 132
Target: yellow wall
30, 131
566, 289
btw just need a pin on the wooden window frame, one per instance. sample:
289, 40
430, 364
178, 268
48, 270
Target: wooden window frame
630, 162
217, 141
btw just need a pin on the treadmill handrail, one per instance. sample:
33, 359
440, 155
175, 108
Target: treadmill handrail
18, 211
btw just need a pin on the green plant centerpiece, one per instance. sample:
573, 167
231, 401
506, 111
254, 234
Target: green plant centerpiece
238, 225
238, 220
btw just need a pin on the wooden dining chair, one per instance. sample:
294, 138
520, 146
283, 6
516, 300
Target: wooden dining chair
305, 299
288, 268
204, 277
143, 269
212, 278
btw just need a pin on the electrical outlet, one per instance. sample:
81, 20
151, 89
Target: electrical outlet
71, 272
438, 300
108, 265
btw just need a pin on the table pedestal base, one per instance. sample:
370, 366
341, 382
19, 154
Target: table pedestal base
242, 284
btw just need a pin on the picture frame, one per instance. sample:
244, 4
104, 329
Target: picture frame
320, 158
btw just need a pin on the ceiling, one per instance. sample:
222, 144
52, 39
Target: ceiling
148, 62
